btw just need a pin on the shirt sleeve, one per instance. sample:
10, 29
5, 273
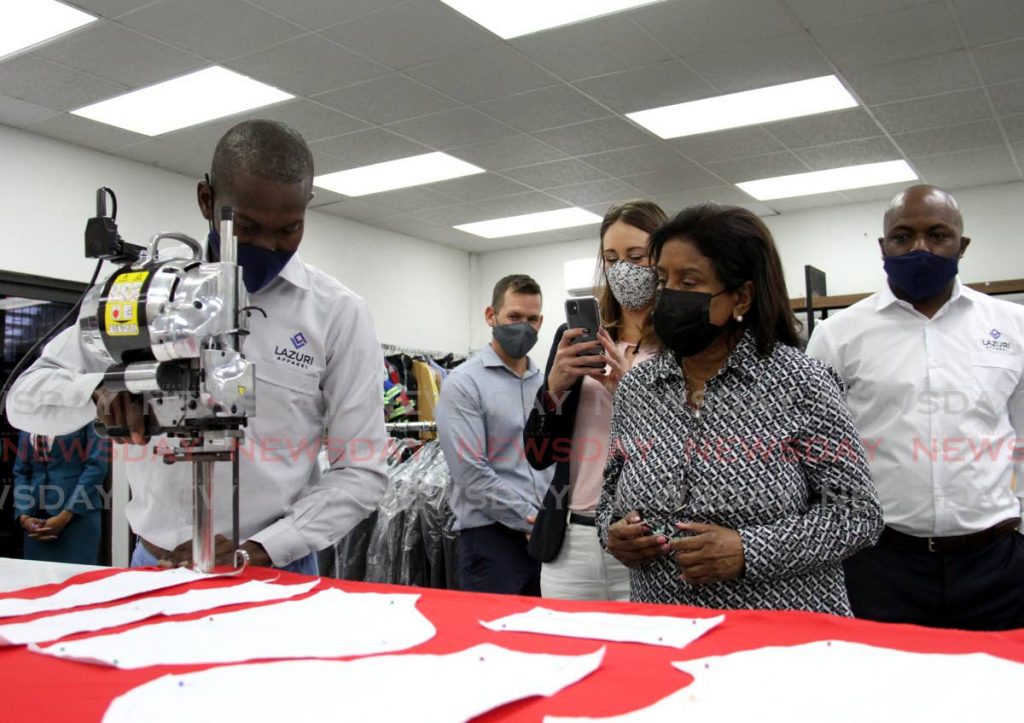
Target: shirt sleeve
843, 514
23, 502
820, 346
357, 445
97, 454
607, 509
462, 431
1016, 408
54, 395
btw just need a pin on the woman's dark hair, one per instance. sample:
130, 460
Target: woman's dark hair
740, 248
646, 216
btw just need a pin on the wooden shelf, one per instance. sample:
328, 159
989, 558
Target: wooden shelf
993, 288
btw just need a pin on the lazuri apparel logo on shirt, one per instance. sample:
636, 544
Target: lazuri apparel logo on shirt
993, 341
292, 356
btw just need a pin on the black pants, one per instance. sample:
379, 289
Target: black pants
494, 559
976, 589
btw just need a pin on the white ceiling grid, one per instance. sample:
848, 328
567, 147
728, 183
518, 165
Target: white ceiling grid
941, 84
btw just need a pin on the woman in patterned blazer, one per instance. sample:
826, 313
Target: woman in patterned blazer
736, 478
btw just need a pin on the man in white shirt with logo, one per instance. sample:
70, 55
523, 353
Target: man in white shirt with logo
935, 380
318, 363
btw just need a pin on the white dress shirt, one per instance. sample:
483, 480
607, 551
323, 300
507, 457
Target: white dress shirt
939, 403
319, 369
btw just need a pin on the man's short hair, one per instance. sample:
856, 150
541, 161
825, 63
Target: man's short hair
517, 284
263, 148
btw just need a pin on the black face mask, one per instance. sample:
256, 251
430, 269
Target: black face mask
682, 321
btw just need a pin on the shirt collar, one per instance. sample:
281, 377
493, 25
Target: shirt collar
887, 298
743, 360
490, 358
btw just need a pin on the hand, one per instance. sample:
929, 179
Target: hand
33, 526
50, 529
712, 554
617, 364
630, 541
567, 366
531, 521
121, 409
223, 554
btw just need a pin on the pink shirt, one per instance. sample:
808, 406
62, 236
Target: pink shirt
590, 437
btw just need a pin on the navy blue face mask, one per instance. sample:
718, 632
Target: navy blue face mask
260, 266
920, 274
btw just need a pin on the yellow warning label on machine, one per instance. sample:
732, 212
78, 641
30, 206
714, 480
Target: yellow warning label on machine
122, 311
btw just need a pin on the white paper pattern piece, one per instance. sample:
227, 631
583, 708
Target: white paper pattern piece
663, 630
115, 587
329, 624
839, 682
87, 621
422, 688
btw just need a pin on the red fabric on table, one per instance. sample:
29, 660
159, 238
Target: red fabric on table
40, 689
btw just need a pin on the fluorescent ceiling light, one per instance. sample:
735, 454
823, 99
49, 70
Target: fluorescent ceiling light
512, 19
764, 105
834, 179
531, 223
389, 175
186, 101
28, 23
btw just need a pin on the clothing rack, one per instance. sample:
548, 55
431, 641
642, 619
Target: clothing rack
411, 426
390, 349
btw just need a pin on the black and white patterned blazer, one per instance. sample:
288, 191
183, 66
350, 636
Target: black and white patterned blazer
772, 453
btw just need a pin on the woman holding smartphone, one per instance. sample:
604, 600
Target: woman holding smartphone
570, 423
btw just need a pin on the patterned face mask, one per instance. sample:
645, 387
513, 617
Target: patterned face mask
632, 286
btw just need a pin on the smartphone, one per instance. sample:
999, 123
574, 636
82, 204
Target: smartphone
583, 313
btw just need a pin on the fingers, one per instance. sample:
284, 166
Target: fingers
531, 520
135, 419
690, 544
570, 336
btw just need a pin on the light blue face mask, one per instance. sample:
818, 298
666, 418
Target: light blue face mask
260, 266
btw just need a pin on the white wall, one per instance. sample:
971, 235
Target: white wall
417, 291
841, 240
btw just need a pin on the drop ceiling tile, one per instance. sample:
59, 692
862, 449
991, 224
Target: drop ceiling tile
410, 34
669, 182
84, 132
35, 80
451, 128
555, 173
409, 200
312, 120
815, 13
14, 112
803, 203
479, 187
110, 8
386, 99
673, 203
651, 87
187, 151
683, 26
980, 134
362, 148
1008, 98
215, 30
114, 52
943, 110
1001, 63
884, 38
990, 21
641, 159
355, 209
538, 110
609, 190
849, 153
727, 144
760, 64
323, 197
876, 193
319, 14
511, 152
596, 47
758, 167
594, 136
817, 130
307, 65
483, 74
978, 167
1014, 127
517, 205
915, 78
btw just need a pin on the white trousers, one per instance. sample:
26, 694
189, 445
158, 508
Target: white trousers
583, 570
